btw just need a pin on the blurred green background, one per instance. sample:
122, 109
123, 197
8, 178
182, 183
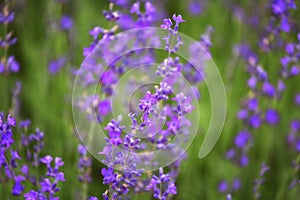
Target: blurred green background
46, 99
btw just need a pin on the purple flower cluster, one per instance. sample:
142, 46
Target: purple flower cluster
84, 165
8, 64
10, 161
162, 186
65, 25
225, 187
260, 180
173, 33
279, 22
8, 156
48, 186
254, 110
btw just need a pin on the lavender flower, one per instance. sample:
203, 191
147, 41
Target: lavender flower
162, 186
8, 64
84, 165
260, 181
48, 185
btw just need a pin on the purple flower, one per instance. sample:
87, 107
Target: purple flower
294, 70
131, 143
109, 77
260, 180
31, 195
167, 23
278, 6
126, 22
55, 65
242, 139
272, 117
285, 27
268, 89
24, 124
253, 104
255, 121
244, 160
174, 124
230, 153
298, 146
236, 184
18, 188
178, 19
2, 68
47, 160
223, 186
195, 8
242, 114
96, 31
109, 176
252, 82
135, 8
12, 64
281, 86
114, 128
84, 165
93, 198
66, 22
11, 121
162, 180
289, 48
104, 107
295, 125
6, 18
297, 99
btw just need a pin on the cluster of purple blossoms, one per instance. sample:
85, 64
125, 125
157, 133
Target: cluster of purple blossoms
18, 170
8, 64
293, 142
66, 25
160, 117
252, 113
84, 165
157, 105
173, 33
290, 61
122, 149
34, 141
260, 180
48, 186
8, 156
225, 187
162, 185
280, 21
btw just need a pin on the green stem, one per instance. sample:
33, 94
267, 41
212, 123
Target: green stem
84, 191
110, 193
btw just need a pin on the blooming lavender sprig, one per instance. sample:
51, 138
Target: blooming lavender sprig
252, 114
173, 40
9, 156
260, 180
33, 145
84, 165
225, 187
48, 186
84, 169
146, 18
280, 22
8, 64
162, 186
64, 25
120, 151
